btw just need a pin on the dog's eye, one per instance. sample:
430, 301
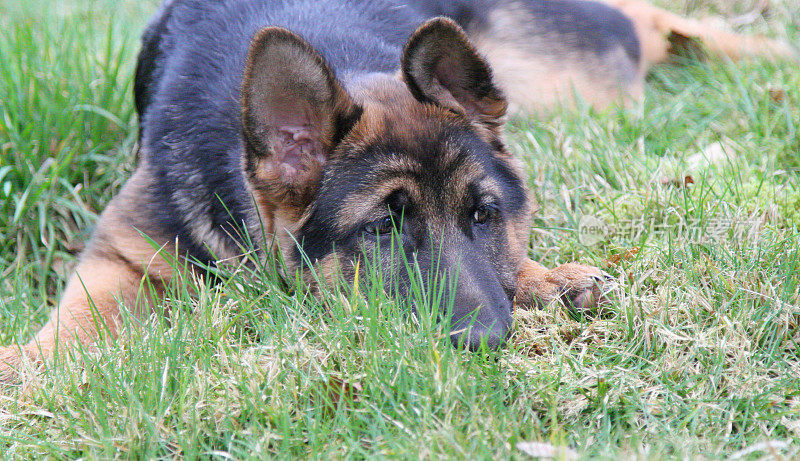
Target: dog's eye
381, 226
483, 213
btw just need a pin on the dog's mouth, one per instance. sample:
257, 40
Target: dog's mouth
477, 336
484, 327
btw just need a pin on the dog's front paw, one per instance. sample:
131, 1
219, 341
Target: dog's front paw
581, 288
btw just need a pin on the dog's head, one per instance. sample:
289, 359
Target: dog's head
410, 164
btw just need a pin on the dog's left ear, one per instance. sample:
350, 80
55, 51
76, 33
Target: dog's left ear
441, 66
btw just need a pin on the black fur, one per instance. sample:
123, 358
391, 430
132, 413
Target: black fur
190, 70
188, 91
362, 170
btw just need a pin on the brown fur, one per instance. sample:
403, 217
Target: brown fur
119, 265
539, 73
111, 270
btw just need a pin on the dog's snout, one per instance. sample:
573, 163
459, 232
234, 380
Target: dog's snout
481, 312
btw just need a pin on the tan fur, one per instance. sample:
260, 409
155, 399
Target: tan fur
536, 83
110, 271
578, 285
329, 269
655, 25
540, 83
538, 74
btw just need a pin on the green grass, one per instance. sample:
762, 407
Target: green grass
698, 356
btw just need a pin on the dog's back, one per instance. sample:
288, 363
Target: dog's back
367, 35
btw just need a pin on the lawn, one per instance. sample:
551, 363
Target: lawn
691, 199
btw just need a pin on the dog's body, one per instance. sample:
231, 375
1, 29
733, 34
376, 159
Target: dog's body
319, 125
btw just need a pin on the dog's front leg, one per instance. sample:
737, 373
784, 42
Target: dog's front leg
118, 266
578, 286
88, 311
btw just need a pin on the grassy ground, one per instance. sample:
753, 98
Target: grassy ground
697, 358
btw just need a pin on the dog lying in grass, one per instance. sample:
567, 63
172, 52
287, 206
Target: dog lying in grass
334, 131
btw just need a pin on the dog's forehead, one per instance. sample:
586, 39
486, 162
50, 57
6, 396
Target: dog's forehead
404, 132
432, 148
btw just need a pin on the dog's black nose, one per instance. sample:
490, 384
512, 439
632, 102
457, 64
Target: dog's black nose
476, 335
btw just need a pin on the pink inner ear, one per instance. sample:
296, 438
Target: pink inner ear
295, 148
295, 142
295, 136
449, 84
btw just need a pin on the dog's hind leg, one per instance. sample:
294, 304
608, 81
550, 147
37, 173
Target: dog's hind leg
657, 30
111, 271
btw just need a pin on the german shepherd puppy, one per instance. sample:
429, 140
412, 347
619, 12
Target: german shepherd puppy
322, 125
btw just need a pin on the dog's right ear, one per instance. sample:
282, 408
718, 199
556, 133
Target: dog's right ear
294, 112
